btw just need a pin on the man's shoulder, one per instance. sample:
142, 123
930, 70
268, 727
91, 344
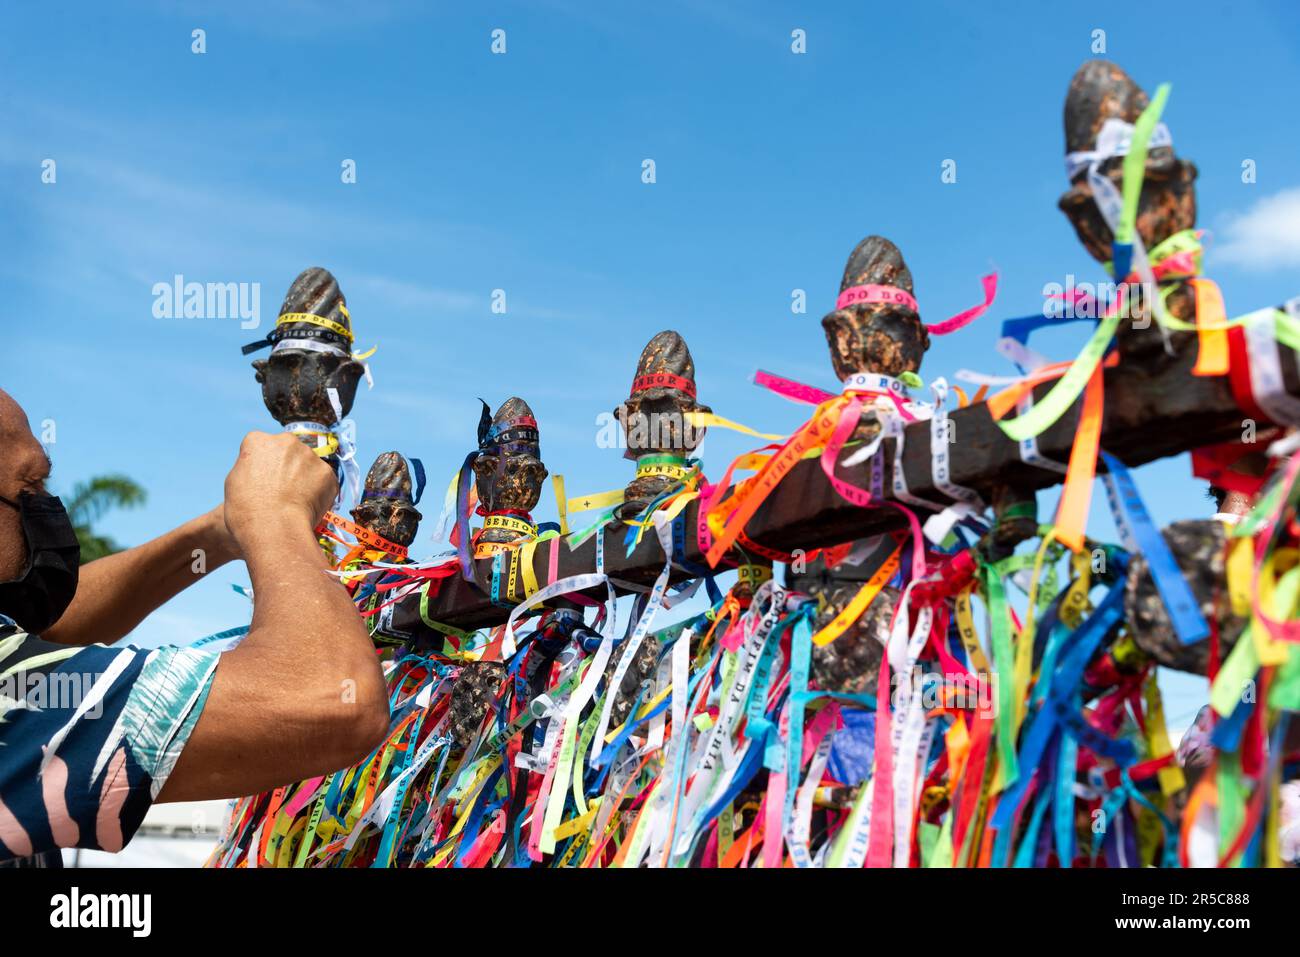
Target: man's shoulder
17, 644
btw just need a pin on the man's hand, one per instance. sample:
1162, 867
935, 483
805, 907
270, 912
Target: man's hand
275, 476
303, 693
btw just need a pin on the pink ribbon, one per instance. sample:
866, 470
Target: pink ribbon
965, 318
1281, 630
304, 794
731, 638
855, 295
774, 801
798, 392
856, 495
880, 839
789, 389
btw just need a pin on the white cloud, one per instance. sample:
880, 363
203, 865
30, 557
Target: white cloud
1266, 236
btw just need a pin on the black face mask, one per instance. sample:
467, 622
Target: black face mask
39, 597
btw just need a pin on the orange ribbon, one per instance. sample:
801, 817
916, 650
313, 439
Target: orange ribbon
1076, 496
747, 497
1211, 329
361, 534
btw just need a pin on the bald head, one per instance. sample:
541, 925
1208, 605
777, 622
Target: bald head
24, 467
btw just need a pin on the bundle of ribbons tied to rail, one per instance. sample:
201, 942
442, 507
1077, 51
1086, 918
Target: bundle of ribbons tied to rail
889, 659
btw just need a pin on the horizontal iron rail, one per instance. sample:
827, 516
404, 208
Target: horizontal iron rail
1154, 408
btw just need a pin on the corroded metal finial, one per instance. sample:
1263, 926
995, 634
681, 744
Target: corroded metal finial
873, 328
750, 576
311, 354
472, 695
1015, 519
1099, 92
508, 473
851, 663
640, 671
387, 507
653, 419
876, 328
1198, 546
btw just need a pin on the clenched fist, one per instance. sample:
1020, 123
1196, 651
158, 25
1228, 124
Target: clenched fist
276, 479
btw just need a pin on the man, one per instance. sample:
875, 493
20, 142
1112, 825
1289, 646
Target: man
90, 735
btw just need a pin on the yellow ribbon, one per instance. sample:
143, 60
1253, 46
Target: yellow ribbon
557, 485
1171, 776
600, 500
861, 601
705, 419
312, 319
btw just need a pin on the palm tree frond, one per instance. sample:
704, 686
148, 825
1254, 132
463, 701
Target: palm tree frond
94, 546
89, 500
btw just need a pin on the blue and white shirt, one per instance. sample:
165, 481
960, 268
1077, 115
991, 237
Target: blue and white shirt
88, 736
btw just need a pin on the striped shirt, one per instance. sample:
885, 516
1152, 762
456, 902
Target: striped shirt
88, 736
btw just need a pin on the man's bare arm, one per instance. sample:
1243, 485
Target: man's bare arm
117, 592
303, 693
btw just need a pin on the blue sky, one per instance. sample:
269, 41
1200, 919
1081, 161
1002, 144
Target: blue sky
522, 172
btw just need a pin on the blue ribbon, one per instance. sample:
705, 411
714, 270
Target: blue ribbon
418, 466
476, 815
1064, 682
222, 636
463, 481
1126, 504
1227, 732
1025, 853
1066, 769
1121, 255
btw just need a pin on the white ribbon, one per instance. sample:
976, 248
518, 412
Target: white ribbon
1116, 139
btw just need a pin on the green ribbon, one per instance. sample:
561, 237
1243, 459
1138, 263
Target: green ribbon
1135, 163
995, 595
1051, 407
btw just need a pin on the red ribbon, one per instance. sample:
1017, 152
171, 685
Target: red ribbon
663, 380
